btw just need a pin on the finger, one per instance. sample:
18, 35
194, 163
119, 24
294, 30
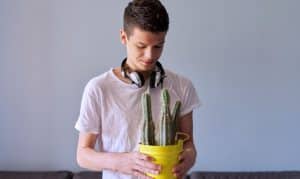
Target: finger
179, 169
178, 175
144, 157
139, 168
147, 167
140, 174
147, 161
183, 155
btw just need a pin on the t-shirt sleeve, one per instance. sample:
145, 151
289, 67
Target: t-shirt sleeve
89, 116
190, 98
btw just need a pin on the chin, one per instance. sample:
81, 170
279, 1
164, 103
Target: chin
147, 68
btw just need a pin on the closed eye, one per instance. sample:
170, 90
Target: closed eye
158, 46
140, 47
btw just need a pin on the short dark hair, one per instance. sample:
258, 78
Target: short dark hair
148, 15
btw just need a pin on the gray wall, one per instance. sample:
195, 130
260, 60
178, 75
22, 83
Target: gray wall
242, 56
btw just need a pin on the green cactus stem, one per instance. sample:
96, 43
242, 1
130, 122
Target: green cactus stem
148, 132
175, 117
167, 134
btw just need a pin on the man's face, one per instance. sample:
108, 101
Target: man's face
143, 48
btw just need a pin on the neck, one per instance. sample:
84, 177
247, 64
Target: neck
146, 74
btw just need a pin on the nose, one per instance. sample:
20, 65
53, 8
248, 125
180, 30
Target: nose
149, 54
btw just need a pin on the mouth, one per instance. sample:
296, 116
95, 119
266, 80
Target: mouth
148, 63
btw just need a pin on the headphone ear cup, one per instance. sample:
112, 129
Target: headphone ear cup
158, 79
123, 73
137, 78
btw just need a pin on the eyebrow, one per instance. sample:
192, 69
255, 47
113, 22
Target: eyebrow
160, 43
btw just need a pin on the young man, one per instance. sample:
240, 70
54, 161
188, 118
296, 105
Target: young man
111, 113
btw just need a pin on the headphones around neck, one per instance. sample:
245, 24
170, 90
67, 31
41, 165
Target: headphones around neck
156, 77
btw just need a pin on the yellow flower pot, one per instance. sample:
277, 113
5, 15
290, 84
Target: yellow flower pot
165, 156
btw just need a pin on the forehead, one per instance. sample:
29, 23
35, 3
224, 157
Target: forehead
139, 35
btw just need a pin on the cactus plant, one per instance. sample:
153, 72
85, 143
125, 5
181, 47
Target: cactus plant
168, 125
148, 133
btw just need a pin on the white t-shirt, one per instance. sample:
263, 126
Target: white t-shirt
112, 109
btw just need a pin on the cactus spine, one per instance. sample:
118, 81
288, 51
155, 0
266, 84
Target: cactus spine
148, 136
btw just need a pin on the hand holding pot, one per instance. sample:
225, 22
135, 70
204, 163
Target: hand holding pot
186, 161
137, 164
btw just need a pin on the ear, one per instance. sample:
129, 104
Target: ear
123, 36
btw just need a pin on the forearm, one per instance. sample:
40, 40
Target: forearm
190, 148
130, 163
90, 159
